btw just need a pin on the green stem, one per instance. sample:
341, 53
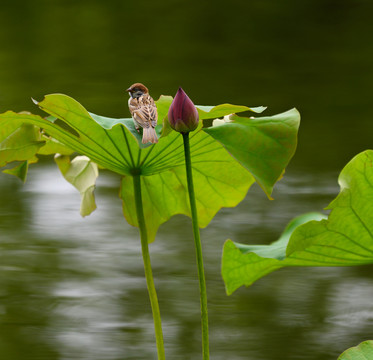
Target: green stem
147, 267
197, 241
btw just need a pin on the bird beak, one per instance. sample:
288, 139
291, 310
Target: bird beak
129, 90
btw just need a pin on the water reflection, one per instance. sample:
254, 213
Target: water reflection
73, 288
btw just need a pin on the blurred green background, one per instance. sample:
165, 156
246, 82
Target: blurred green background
315, 55
73, 288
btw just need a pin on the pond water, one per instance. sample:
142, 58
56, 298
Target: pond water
73, 288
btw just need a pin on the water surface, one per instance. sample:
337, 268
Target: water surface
73, 288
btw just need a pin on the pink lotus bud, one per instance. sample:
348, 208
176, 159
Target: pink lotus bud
182, 114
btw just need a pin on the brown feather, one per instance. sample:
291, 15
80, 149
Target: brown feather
149, 135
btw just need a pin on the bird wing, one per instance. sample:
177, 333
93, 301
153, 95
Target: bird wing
144, 111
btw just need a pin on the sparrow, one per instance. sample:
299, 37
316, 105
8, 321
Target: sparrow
143, 111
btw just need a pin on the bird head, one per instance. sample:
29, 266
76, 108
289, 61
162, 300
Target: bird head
136, 90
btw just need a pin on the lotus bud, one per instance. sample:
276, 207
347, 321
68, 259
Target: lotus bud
182, 114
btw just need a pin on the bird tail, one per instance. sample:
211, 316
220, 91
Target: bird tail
149, 135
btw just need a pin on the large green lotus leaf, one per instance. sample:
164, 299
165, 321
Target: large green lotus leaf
263, 145
114, 144
82, 173
111, 143
344, 239
220, 181
18, 141
364, 351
